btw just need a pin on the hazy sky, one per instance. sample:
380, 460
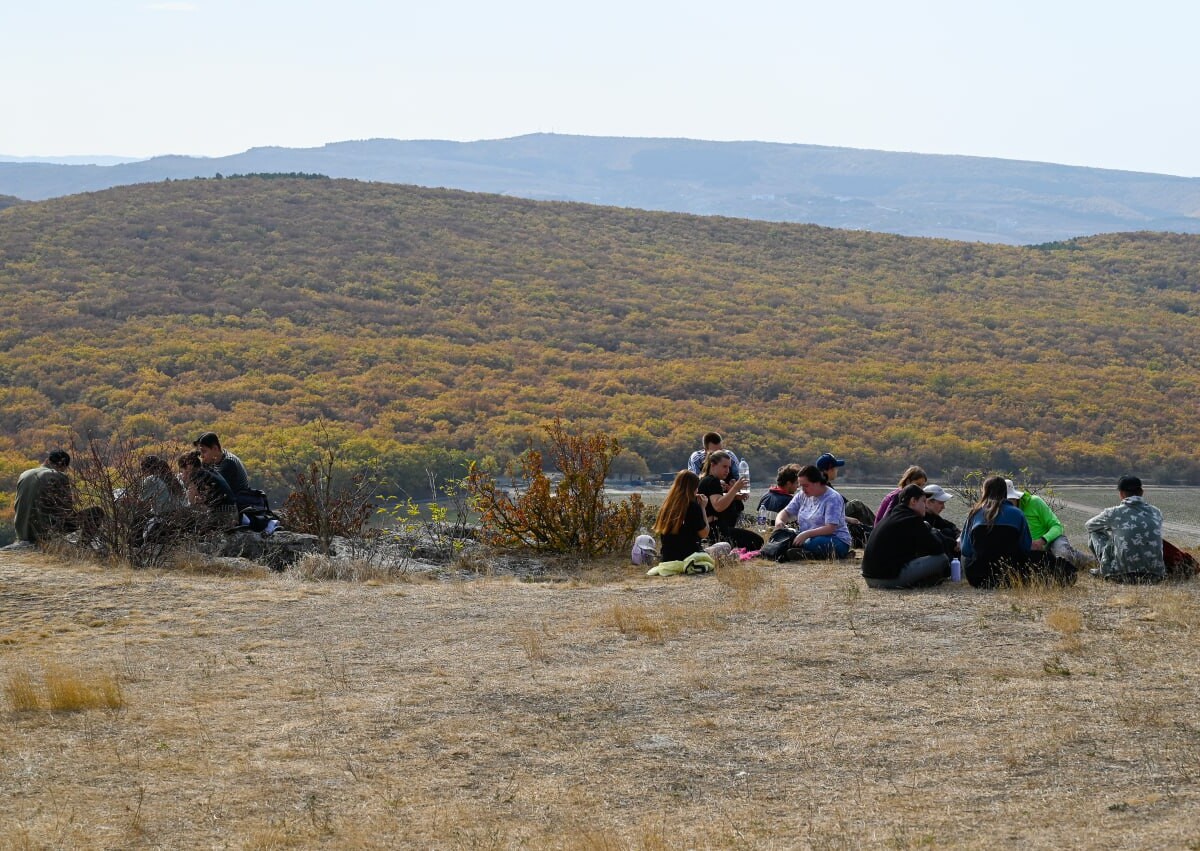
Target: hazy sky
1099, 83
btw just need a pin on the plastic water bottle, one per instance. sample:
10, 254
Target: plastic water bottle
744, 473
955, 570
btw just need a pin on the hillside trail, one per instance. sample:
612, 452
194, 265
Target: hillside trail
1190, 529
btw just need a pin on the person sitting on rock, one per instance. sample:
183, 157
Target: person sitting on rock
209, 495
45, 505
1127, 538
229, 466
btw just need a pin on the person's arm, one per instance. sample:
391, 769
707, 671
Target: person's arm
721, 501
1100, 522
790, 510
1046, 519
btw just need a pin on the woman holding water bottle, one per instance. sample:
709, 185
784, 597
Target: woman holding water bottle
726, 501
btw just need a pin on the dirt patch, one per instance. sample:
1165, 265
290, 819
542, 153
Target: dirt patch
772, 706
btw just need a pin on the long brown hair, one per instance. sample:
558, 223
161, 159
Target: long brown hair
911, 475
995, 494
674, 508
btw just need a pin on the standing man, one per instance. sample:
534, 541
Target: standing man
712, 443
228, 465
1044, 526
1127, 538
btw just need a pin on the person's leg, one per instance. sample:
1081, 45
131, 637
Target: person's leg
826, 546
925, 571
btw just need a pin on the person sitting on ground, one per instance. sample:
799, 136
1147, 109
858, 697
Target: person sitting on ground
946, 531
903, 551
819, 513
712, 443
44, 505
209, 494
1127, 538
859, 517
997, 548
780, 494
681, 521
1044, 525
229, 466
726, 494
912, 476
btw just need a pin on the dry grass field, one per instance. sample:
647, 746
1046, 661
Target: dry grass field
768, 706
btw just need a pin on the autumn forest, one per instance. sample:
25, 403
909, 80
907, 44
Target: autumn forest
424, 328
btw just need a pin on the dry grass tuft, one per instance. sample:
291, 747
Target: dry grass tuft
63, 689
660, 623
322, 568
21, 691
1065, 619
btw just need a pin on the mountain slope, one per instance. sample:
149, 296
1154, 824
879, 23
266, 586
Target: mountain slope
426, 326
969, 198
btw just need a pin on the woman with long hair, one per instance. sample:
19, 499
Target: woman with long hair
996, 545
914, 475
681, 521
726, 495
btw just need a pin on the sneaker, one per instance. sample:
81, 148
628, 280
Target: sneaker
1095, 571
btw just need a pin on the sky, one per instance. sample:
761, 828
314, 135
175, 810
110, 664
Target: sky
1099, 83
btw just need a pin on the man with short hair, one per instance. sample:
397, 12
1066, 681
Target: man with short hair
712, 443
228, 465
43, 502
1127, 538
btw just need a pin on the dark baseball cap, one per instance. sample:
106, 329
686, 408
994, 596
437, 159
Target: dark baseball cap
827, 461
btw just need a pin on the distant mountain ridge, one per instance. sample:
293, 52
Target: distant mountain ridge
951, 197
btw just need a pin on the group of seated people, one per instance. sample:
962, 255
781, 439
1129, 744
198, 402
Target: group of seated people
1010, 536
208, 493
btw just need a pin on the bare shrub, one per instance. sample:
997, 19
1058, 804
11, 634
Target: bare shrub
116, 509
570, 516
328, 501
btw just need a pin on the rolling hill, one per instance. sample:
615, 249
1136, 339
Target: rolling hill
425, 327
955, 197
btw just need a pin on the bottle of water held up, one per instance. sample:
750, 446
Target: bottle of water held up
744, 473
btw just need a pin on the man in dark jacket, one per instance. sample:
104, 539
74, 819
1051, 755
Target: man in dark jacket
902, 551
